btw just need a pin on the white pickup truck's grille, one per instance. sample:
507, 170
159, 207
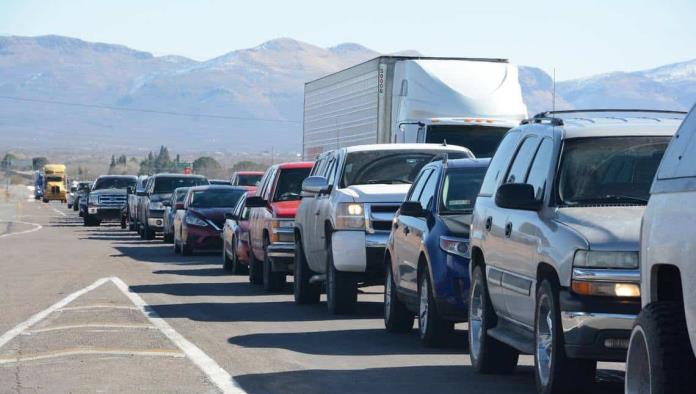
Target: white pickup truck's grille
379, 216
112, 200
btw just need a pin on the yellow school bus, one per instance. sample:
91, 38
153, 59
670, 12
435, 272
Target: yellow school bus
54, 182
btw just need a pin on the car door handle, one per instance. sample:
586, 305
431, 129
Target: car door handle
508, 229
489, 223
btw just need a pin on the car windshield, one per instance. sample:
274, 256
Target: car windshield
216, 198
167, 184
181, 194
220, 182
289, 186
114, 183
387, 166
54, 178
482, 141
608, 170
248, 179
460, 188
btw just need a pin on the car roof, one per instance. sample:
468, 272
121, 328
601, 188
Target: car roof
216, 187
173, 175
118, 176
608, 124
249, 173
468, 163
420, 147
297, 164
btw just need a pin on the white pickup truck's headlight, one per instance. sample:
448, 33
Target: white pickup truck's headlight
156, 205
458, 246
600, 259
350, 216
194, 221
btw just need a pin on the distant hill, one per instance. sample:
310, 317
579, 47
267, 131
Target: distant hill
247, 91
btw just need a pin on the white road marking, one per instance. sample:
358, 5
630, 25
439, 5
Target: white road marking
217, 375
99, 306
8, 336
90, 325
37, 227
100, 351
60, 212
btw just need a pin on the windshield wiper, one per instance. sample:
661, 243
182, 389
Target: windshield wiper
609, 198
623, 197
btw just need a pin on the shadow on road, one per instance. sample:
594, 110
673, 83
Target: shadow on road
158, 252
358, 342
195, 272
201, 289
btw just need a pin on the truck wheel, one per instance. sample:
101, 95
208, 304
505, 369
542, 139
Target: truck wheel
255, 269
69, 206
304, 292
272, 281
45, 200
659, 358
148, 233
432, 328
186, 250
76, 205
397, 318
487, 354
341, 288
123, 223
176, 246
553, 371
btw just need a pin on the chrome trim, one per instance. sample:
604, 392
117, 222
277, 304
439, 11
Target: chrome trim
607, 275
376, 240
378, 216
578, 325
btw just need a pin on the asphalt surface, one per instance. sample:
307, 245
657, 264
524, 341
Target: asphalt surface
107, 338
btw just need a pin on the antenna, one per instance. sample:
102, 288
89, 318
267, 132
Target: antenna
553, 96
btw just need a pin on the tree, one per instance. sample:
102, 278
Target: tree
247, 165
7, 160
207, 166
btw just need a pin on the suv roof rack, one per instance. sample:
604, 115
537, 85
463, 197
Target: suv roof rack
541, 117
556, 121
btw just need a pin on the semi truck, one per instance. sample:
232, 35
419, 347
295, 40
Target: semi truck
394, 99
54, 183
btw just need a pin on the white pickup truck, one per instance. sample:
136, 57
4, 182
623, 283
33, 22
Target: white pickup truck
345, 217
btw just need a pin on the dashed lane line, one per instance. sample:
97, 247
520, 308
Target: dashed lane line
92, 350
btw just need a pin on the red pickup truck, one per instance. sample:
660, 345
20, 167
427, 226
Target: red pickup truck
271, 223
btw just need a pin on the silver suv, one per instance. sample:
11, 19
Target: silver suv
554, 242
662, 352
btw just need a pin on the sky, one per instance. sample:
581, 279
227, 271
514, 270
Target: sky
576, 38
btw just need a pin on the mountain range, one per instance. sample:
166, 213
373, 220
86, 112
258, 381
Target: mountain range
64, 93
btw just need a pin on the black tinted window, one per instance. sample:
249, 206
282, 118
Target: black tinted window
167, 184
428, 193
417, 187
289, 186
460, 188
499, 163
518, 171
248, 180
114, 183
215, 198
540, 168
482, 141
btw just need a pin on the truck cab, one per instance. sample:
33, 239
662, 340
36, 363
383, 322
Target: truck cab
54, 183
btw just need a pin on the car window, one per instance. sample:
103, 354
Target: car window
460, 188
499, 163
331, 170
114, 183
215, 198
417, 187
265, 181
540, 167
167, 184
289, 185
247, 179
318, 166
428, 193
523, 158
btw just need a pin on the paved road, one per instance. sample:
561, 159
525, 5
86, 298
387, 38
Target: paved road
200, 324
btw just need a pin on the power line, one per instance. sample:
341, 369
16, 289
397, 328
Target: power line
149, 111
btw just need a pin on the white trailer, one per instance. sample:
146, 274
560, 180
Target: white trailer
389, 99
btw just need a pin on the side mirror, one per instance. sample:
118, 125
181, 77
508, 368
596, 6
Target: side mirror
179, 205
255, 202
316, 185
517, 196
230, 216
412, 208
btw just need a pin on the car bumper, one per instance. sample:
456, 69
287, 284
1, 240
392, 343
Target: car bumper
595, 328
281, 250
357, 251
104, 213
203, 239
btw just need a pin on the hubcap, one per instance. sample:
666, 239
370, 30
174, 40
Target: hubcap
423, 309
476, 320
387, 296
638, 364
544, 340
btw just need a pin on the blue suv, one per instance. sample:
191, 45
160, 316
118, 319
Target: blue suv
427, 257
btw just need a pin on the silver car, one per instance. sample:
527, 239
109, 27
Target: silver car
555, 241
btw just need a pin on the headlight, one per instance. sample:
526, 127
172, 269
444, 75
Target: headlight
194, 221
156, 205
350, 216
598, 259
457, 246
93, 199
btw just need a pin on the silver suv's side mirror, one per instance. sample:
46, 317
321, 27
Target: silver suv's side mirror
517, 196
316, 185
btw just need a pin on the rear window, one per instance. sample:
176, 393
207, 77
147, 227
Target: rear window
289, 186
216, 198
248, 180
167, 184
114, 183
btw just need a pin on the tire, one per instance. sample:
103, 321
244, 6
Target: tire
660, 360
341, 288
553, 371
487, 354
45, 200
148, 233
186, 250
304, 291
397, 318
90, 221
272, 281
123, 223
76, 205
176, 247
255, 269
232, 265
432, 328
69, 206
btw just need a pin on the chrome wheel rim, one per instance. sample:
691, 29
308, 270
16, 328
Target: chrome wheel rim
544, 340
423, 308
637, 364
475, 320
387, 296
